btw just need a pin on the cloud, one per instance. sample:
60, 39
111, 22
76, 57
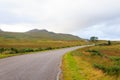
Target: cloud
68, 16
109, 30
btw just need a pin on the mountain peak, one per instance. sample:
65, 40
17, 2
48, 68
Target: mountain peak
1, 30
37, 30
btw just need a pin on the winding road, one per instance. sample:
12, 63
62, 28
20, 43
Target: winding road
39, 66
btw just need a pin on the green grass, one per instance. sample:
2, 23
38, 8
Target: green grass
71, 70
7, 55
95, 63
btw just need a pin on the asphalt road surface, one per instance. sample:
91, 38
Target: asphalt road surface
40, 66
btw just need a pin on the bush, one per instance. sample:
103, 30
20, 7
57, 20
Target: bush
14, 49
2, 50
99, 66
23, 50
111, 70
9, 52
115, 58
27, 50
40, 49
94, 52
48, 48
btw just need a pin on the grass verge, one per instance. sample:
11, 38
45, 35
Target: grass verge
92, 63
71, 70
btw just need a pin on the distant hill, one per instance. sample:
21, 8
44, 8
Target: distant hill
38, 34
1, 30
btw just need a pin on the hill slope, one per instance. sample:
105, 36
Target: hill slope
37, 34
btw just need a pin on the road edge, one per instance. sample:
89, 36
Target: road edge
60, 64
59, 71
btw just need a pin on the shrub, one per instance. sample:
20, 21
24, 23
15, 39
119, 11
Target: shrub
9, 52
40, 49
115, 58
21, 51
94, 52
111, 70
28, 50
99, 66
48, 48
2, 49
14, 49
109, 42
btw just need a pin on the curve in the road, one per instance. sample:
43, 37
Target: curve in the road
40, 66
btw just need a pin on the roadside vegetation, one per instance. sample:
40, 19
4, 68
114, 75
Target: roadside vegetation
100, 62
12, 47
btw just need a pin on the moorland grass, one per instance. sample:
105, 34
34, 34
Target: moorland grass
12, 48
93, 63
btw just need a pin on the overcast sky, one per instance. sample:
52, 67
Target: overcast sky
84, 18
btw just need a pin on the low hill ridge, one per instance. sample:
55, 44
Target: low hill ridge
39, 34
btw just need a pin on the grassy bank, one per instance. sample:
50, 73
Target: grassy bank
92, 63
8, 52
12, 48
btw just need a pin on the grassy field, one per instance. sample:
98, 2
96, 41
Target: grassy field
92, 63
17, 47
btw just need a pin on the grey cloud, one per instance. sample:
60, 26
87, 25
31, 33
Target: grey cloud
9, 18
103, 31
68, 16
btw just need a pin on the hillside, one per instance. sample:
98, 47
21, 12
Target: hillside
14, 43
101, 62
37, 34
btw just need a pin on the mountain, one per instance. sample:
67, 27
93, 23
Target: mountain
38, 34
36, 31
1, 30
51, 35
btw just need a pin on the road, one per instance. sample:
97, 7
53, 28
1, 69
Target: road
40, 66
